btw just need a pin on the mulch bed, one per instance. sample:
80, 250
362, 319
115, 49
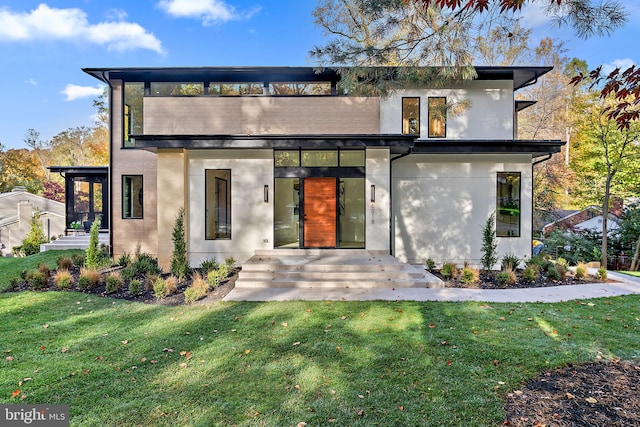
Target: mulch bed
488, 281
594, 394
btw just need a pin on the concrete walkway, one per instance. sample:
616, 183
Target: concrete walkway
624, 285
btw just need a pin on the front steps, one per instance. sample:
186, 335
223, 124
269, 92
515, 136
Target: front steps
330, 269
74, 242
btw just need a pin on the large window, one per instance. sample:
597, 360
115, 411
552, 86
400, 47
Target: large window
132, 120
437, 117
411, 116
317, 88
217, 204
508, 205
176, 89
132, 196
236, 89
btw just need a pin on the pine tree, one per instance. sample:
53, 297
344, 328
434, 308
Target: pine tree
489, 244
35, 237
179, 263
92, 250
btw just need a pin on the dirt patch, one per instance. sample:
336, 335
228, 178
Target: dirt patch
594, 394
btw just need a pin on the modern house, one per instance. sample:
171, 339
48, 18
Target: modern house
267, 158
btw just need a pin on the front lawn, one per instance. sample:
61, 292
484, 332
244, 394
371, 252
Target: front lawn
279, 364
630, 273
12, 267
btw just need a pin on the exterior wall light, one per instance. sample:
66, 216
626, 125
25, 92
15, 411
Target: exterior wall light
266, 194
373, 193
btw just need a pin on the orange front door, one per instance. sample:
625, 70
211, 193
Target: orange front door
319, 212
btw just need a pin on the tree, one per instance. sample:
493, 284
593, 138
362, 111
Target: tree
20, 167
489, 244
35, 237
179, 263
93, 252
53, 191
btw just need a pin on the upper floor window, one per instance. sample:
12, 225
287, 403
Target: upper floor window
236, 89
316, 88
176, 89
132, 123
437, 117
508, 204
411, 116
217, 204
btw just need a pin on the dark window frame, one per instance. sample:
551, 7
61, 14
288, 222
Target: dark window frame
140, 196
431, 116
512, 208
215, 203
413, 98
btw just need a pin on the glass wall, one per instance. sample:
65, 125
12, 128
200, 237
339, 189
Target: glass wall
351, 199
132, 120
287, 213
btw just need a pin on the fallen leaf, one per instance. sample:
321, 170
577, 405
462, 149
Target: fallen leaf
168, 350
42, 348
360, 412
16, 393
100, 358
64, 350
297, 387
184, 365
448, 362
301, 424
343, 317
432, 325
86, 372
570, 396
188, 355
9, 358
144, 359
400, 407
591, 400
296, 343
125, 342
46, 325
285, 324
247, 351
153, 362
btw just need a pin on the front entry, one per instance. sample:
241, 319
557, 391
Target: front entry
319, 210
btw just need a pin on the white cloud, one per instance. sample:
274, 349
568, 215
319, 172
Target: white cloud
74, 92
208, 11
50, 24
535, 15
623, 64
31, 82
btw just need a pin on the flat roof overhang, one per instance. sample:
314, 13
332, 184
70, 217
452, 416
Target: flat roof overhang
521, 75
397, 144
80, 170
537, 148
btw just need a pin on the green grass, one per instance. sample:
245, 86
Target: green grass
13, 267
630, 273
278, 364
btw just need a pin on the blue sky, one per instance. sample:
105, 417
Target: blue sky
44, 44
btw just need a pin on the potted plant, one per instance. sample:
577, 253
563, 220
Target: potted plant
76, 226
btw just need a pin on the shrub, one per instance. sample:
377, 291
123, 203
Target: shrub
562, 261
35, 237
78, 260
124, 260
581, 271
88, 279
179, 263
145, 264
230, 262
507, 278
430, 264
510, 262
171, 285
562, 270
208, 265
64, 263
92, 249
63, 279
45, 270
198, 289
113, 282
37, 280
489, 244
215, 277
530, 274
601, 274
469, 275
159, 288
552, 273
502, 278
448, 270
135, 287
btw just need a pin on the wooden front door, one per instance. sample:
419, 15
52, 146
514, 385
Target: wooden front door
319, 212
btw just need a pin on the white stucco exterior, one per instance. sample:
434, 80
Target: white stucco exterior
441, 204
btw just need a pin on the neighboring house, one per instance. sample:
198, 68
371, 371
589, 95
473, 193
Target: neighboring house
587, 219
16, 211
276, 157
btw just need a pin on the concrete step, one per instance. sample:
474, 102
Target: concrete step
73, 242
330, 269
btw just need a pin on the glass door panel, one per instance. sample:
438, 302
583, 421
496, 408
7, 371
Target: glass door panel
352, 213
286, 213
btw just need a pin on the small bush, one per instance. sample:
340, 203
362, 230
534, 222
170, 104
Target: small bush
448, 270
562, 261
13, 283
510, 262
530, 274
124, 260
171, 285
208, 265
78, 260
64, 263
430, 264
601, 274
135, 287
552, 273
506, 277
581, 271
215, 277
63, 278
469, 275
159, 288
562, 270
88, 279
113, 282
37, 280
230, 262
45, 270
198, 289
145, 264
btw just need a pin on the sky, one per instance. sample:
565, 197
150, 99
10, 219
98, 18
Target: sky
45, 44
